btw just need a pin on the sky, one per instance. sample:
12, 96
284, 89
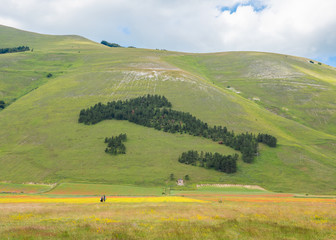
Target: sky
305, 28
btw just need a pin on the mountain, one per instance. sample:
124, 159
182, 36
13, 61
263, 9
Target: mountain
291, 98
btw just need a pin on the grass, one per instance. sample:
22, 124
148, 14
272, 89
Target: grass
288, 86
233, 189
229, 219
87, 200
103, 189
23, 188
41, 140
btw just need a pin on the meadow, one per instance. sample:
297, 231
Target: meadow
23, 188
235, 214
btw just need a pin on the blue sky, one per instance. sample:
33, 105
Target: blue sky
257, 6
331, 61
295, 27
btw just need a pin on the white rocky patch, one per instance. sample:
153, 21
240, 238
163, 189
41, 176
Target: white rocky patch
261, 69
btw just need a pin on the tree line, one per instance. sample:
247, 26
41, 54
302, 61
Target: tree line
113, 44
115, 144
14, 49
217, 161
110, 44
155, 111
267, 139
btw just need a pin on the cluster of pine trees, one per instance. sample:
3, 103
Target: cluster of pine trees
138, 110
267, 139
219, 162
115, 144
110, 44
155, 111
15, 49
2, 104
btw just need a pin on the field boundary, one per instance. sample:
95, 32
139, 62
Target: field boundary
231, 185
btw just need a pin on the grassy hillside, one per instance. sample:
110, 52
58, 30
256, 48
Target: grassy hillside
25, 71
41, 140
299, 89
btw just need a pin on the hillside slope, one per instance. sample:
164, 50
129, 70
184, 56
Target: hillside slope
295, 88
41, 140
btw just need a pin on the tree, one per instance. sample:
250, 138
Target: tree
2, 104
217, 161
110, 44
14, 49
154, 111
171, 177
115, 144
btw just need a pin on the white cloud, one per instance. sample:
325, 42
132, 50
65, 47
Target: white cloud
294, 27
298, 27
9, 22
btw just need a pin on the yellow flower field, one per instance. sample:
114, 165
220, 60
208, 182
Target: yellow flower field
46, 217
38, 199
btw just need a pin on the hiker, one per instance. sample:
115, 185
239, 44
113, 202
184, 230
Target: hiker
101, 199
104, 198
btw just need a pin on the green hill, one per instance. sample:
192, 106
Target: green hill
42, 141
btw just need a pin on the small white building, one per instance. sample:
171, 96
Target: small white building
180, 182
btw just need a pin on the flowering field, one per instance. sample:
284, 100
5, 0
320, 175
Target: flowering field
271, 198
222, 216
85, 200
107, 189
